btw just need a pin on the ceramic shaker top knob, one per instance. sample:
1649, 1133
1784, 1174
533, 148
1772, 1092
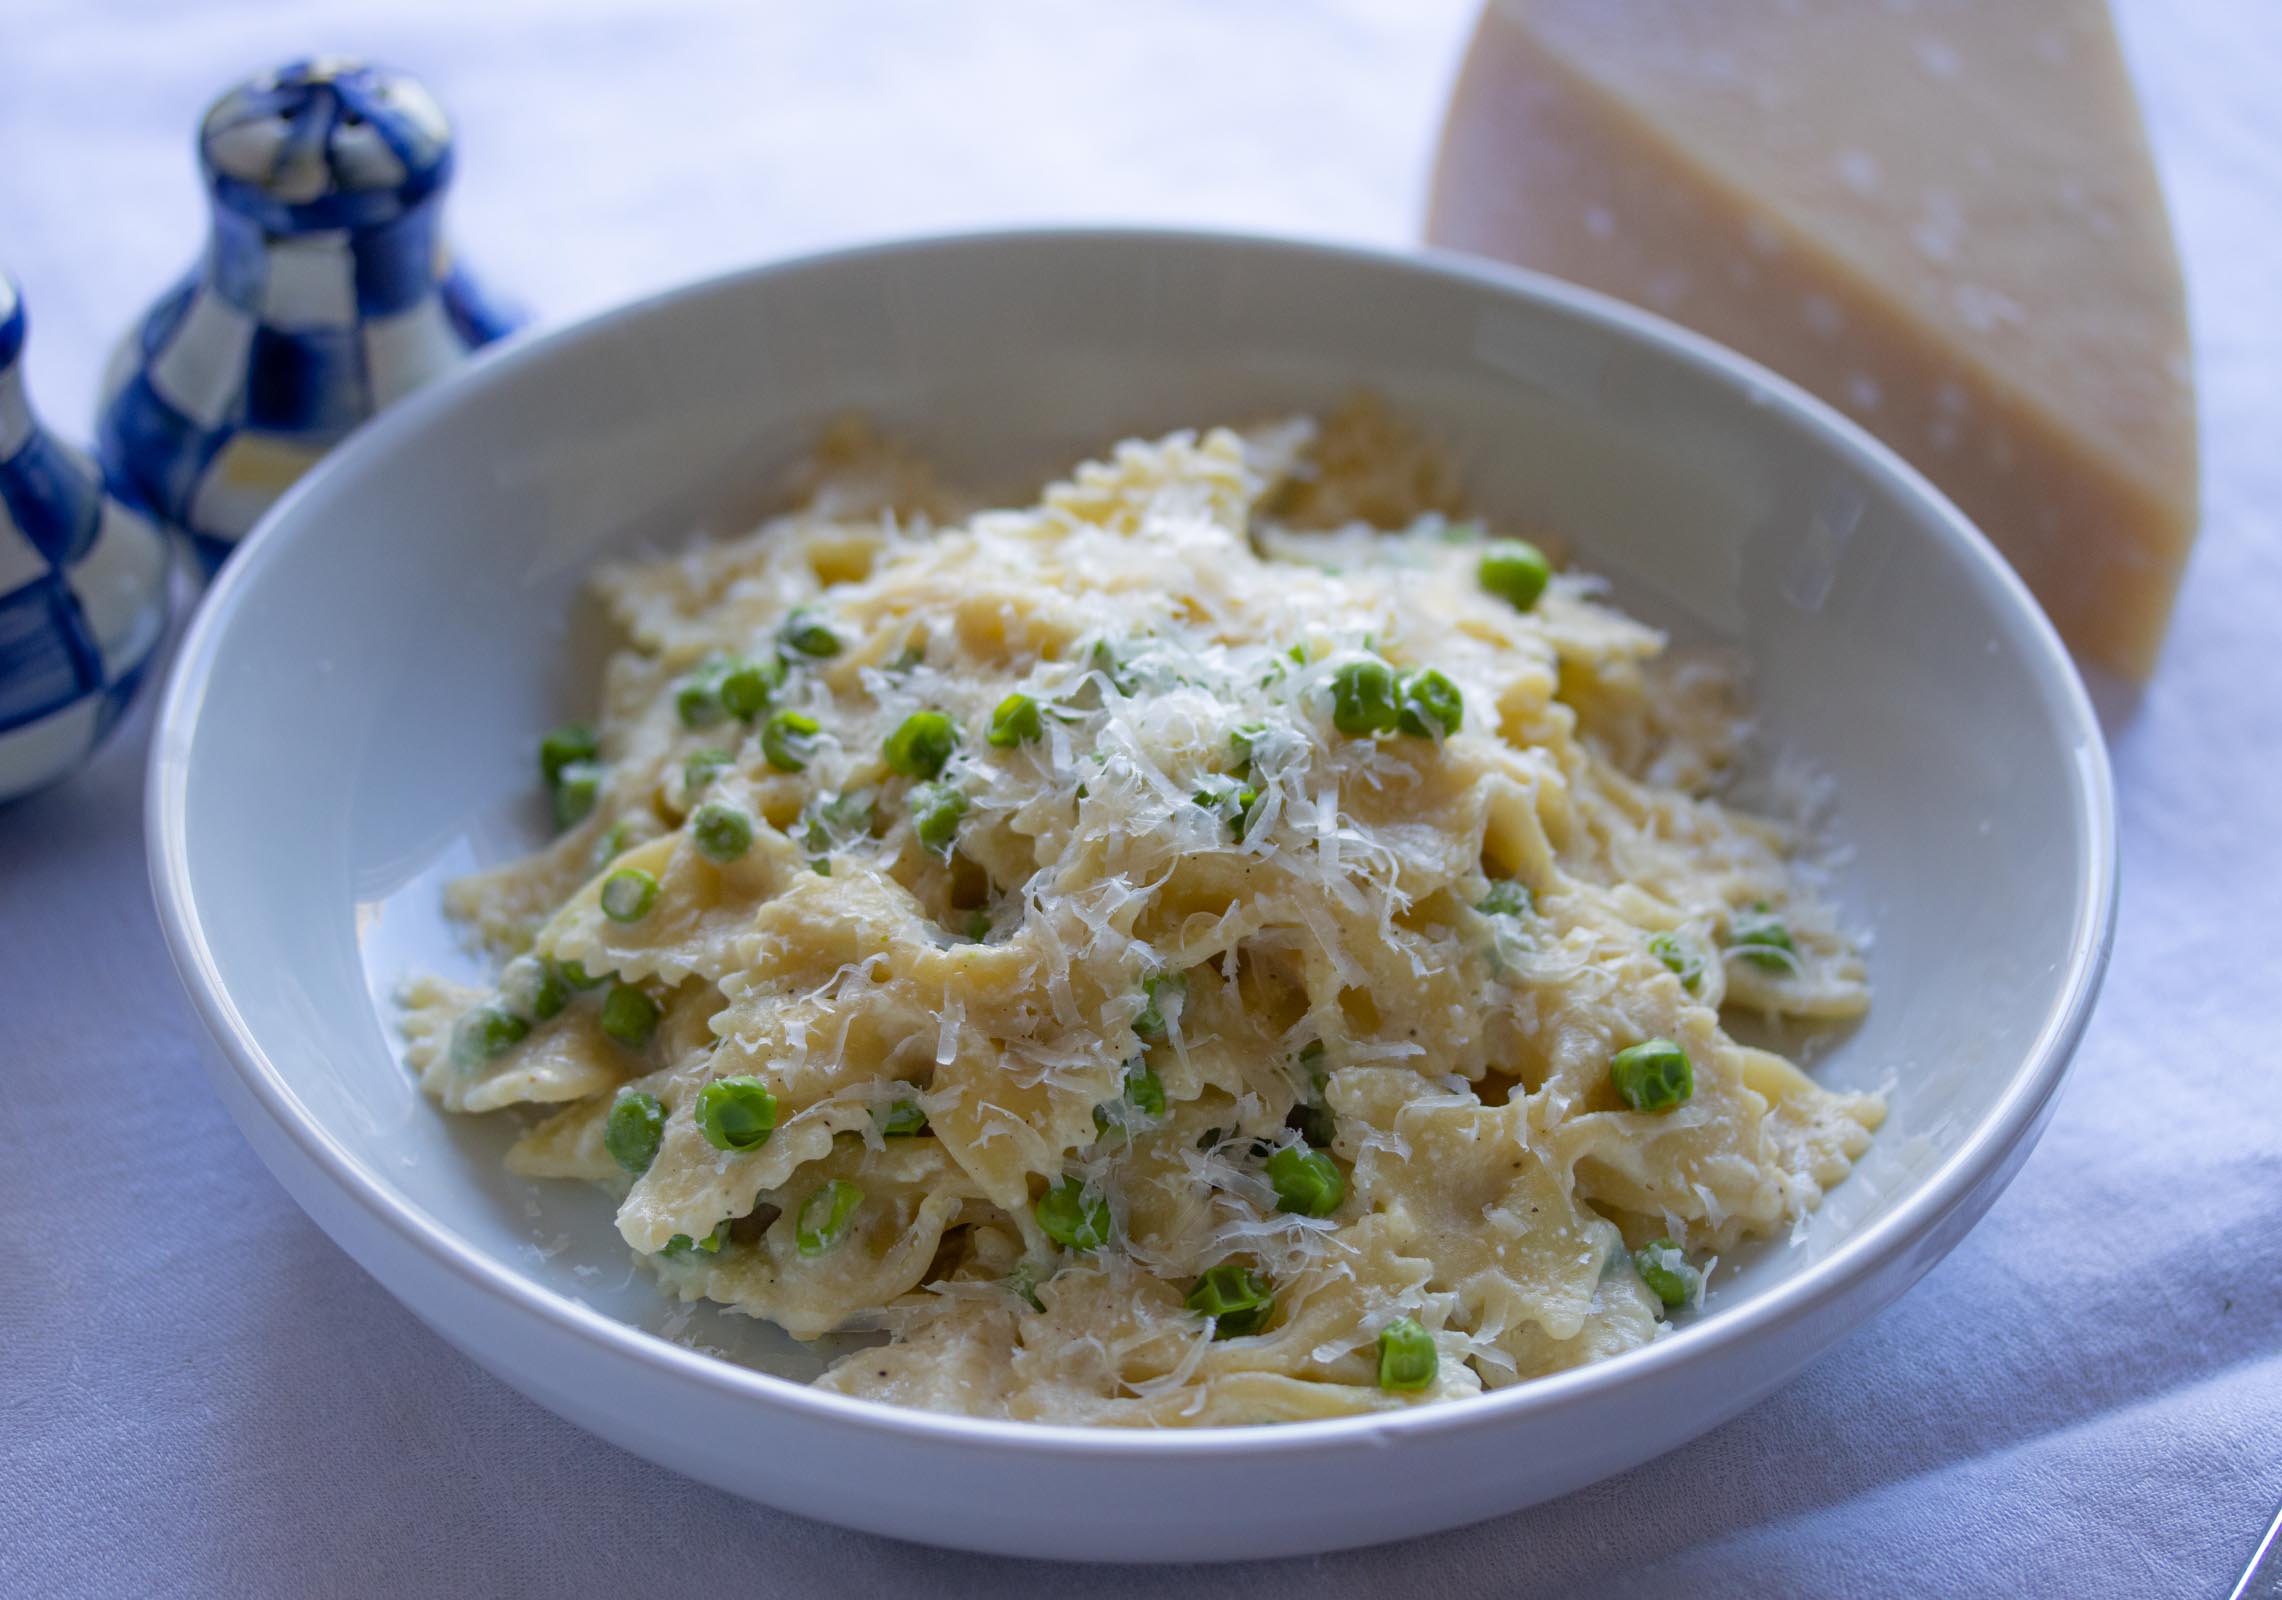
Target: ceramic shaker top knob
82, 589
326, 292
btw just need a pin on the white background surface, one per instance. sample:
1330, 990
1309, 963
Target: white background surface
199, 1395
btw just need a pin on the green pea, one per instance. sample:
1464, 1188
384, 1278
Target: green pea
901, 1119
703, 766
1515, 572
1073, 1215
788, 739
697, 694
1238, 1300
1665, 1270
1016, 720
805, 632
636, 1127
1363, 696
1681, 958
978, 927
826, 824
628, 894
749, 685
698, 704
575, 974
575, 791
736, 1113
1763, 939
681, 1244
1243, 739
1107, 662
613, 843
1307, 1182
921, 744
571, 743
1144, 1090
1140, 1099
1407, 1357
722, 832
1432, 707
486, 1033
1506, 898
1155, 989
936, 812
629, 1016
1022, 1283
1227, 798
534, 987
1652, 1076
825, 1216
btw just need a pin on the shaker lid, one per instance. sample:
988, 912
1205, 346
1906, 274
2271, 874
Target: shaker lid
329, 142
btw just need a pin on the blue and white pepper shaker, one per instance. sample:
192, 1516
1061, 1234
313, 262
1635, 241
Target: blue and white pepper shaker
325, 293
82, 589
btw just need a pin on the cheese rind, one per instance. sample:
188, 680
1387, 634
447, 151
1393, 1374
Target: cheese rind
1941, 218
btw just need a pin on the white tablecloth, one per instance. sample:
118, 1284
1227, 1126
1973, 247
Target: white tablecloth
200, 1395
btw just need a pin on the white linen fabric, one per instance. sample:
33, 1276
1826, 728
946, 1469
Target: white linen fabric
200, 1395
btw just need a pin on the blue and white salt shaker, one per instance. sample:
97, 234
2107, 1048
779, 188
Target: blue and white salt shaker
82, 589
325, 293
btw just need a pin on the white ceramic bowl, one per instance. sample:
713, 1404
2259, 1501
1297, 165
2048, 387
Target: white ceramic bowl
351, 722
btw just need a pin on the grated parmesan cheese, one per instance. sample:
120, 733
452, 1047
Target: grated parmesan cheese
1190, 880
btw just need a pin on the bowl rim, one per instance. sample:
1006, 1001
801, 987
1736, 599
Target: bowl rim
1853, 1261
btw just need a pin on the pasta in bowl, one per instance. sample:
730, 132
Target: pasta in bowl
1232, 941
403, 614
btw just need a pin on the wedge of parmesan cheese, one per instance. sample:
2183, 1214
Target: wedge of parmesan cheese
1938, 215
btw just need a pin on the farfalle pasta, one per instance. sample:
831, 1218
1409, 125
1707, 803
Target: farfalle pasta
1229, 942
